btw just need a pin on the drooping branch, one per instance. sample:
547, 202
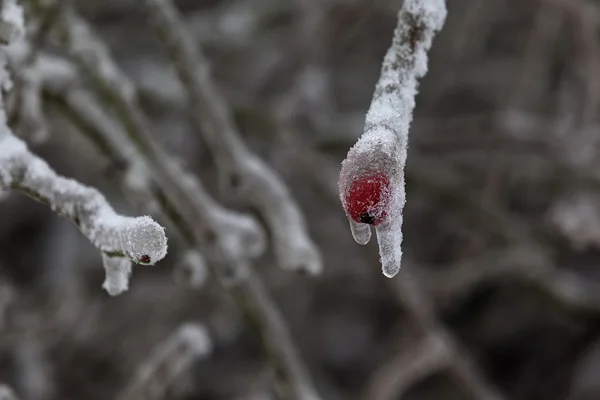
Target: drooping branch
372, 176
121, 239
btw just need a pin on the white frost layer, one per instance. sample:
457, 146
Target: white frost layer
137, 239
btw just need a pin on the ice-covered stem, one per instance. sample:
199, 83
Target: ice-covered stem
372, 177
6, 393
167, 362
242, 172
126, 239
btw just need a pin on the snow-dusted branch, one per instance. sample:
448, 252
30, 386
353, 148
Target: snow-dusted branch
372, 177
242, 172
121, 239
167, 362
227, 239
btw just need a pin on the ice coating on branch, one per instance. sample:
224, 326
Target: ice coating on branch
137, 239
371, 181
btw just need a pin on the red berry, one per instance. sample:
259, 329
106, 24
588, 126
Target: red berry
145, 259
367, 198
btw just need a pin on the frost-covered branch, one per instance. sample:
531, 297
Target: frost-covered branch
372, 177
121, 239
227, 239
63, 87
242, 172
167, 362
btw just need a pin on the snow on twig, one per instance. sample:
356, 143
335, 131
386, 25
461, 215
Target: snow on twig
372, 176
242, 172
121, 239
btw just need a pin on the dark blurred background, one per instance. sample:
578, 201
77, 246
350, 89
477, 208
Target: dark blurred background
502, 222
